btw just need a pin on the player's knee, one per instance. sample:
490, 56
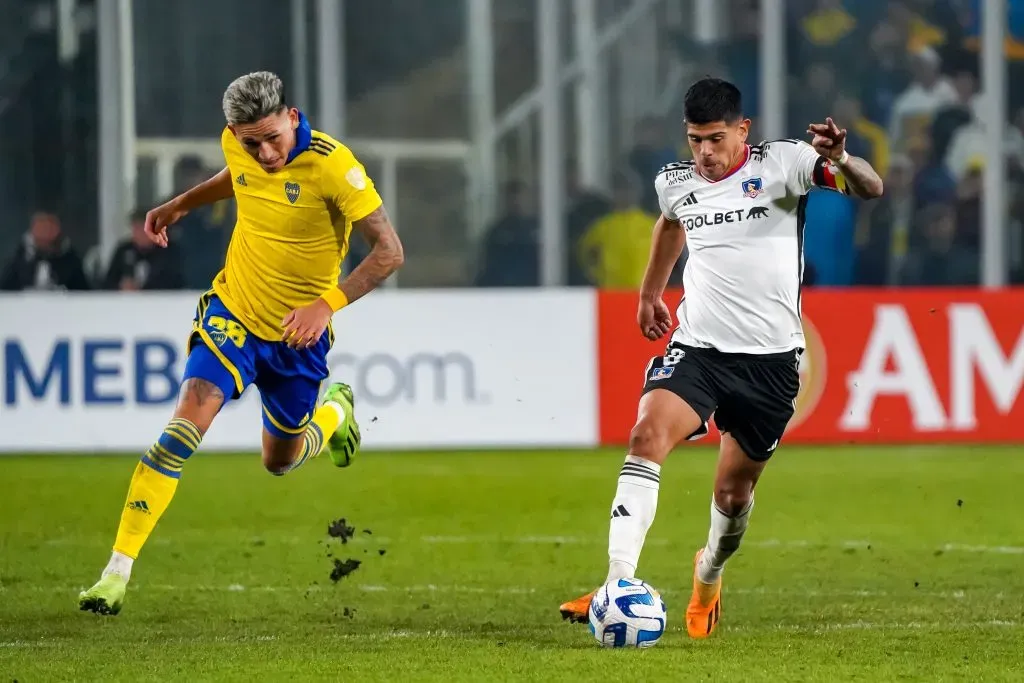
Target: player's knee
275, 465
733, 497
650, 441
279, 455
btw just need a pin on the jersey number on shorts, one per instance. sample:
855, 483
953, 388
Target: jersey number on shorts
674, 354
226, 329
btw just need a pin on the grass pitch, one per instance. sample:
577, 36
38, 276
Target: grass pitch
859, 564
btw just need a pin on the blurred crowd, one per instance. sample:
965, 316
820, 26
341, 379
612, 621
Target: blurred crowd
45, 258
902, 76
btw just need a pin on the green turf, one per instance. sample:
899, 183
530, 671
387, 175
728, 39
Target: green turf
860, 564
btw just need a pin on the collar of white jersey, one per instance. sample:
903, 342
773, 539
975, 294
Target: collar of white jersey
732, 171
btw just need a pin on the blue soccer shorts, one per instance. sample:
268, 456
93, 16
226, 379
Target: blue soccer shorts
222, 351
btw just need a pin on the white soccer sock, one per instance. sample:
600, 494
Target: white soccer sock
119, 564
723, 540
636, 501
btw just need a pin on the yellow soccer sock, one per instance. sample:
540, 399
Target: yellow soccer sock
325, 421
153, 484
329, 417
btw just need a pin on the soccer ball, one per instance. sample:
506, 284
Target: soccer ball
627, 613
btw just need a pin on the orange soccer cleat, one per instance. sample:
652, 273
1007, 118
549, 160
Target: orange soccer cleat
576, 610
705, 606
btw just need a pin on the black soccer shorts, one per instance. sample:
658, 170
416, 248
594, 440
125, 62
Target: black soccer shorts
751, 396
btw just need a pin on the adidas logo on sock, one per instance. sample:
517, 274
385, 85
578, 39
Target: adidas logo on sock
139, 506
620, 511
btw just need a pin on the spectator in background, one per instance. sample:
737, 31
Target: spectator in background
932, 180
814, 98
614, 251
1015, 143
929, 92
139, 264
968, 204
884, 227
938, 261
202, 235
884, 75
962, 151
651, 151
44, 260
585, 207
968, 95
864, 138
512, 247
956, 119
827, 33
915, 29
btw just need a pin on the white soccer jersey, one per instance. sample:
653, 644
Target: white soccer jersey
745, 233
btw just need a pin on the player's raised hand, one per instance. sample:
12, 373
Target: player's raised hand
304, 326
158, 220
654, 318
829, 139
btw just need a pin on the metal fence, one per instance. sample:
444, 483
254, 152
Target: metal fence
501, 131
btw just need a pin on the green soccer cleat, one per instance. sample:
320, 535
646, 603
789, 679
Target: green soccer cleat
105, 597
344, 442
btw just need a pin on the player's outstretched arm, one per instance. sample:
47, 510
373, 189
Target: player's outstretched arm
830, 142
385, 257
207, 192
653, 315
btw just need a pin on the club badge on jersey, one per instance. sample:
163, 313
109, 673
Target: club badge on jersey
292, 190
752, 187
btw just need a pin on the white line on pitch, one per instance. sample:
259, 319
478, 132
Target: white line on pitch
1001, 549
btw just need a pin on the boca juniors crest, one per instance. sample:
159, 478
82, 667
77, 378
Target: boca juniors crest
291, 190
752, 187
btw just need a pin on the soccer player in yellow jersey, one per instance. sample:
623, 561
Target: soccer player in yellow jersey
266, 321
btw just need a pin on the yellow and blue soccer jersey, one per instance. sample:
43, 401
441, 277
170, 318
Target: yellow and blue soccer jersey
291, 235
293, 228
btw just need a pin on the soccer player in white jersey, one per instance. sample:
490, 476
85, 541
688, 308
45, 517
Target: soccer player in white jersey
736, 351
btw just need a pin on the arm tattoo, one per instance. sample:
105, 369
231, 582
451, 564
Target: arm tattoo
861, 178
385, 257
